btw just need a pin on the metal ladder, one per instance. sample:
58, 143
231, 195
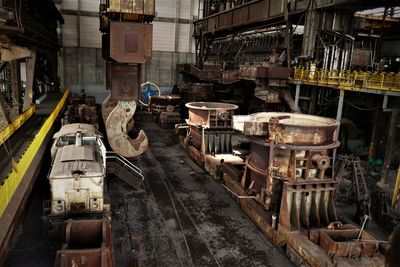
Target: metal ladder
360, 186
124, 169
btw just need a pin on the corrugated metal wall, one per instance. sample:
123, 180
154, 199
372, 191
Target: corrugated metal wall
81, 40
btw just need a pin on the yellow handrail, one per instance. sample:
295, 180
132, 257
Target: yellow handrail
395, 197
11, 183
350, 80
11, 128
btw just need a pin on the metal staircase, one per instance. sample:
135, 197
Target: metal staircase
360, 188
124, 169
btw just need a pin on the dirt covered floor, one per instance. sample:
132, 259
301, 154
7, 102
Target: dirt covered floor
184, 217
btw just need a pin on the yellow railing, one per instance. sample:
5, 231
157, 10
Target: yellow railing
350, 80
14, 126
11, 183
395, 197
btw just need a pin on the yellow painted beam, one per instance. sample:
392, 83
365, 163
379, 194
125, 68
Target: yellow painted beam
11, 183
11, 128
395, 197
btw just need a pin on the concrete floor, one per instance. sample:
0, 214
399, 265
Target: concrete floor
183, 218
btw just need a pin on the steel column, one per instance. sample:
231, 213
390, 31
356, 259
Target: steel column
389, 144
296, 98
338, 118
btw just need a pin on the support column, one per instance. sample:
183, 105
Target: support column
296, 98
340, 106
15, 89
313, 100
389, 144
30, 72
338, 118
4, 116
312, 24
372, 144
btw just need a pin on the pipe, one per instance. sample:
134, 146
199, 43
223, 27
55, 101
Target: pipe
288, 99
350, 127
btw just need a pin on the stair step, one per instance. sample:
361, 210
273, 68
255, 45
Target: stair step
127, 176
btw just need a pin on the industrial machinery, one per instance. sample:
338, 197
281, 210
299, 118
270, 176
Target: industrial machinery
80, 163
78, 191
354, 188
287, 189
127, 44
165, 110
209, 129
286, 183
78, 172
287, 167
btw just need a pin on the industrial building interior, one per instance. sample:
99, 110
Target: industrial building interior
199, 133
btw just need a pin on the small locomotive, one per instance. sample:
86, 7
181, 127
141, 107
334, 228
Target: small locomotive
78, 172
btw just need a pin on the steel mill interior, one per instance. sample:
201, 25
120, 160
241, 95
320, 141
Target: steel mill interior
199, 133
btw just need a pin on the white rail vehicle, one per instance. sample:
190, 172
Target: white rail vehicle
77, 174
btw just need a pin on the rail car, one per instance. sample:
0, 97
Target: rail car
78, 209
284, 182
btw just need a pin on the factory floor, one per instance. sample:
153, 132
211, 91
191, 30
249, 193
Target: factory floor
182, 218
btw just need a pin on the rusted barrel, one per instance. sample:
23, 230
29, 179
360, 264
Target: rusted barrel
211, 114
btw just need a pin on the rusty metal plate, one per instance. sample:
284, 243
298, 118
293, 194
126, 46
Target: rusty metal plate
124, 81
257, 10
274, 72
225, 20
131, 42
307, 203
240, 16
202, 88
276, 8
255, 72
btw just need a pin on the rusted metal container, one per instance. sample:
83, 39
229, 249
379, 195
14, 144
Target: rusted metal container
210, 126
286, 172
87, 243
131, 42
211, 114
140, 7
289, 128
286, 168
345, 242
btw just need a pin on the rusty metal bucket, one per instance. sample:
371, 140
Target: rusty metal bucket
87, 243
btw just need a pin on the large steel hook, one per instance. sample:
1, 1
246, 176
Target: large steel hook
117, 131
